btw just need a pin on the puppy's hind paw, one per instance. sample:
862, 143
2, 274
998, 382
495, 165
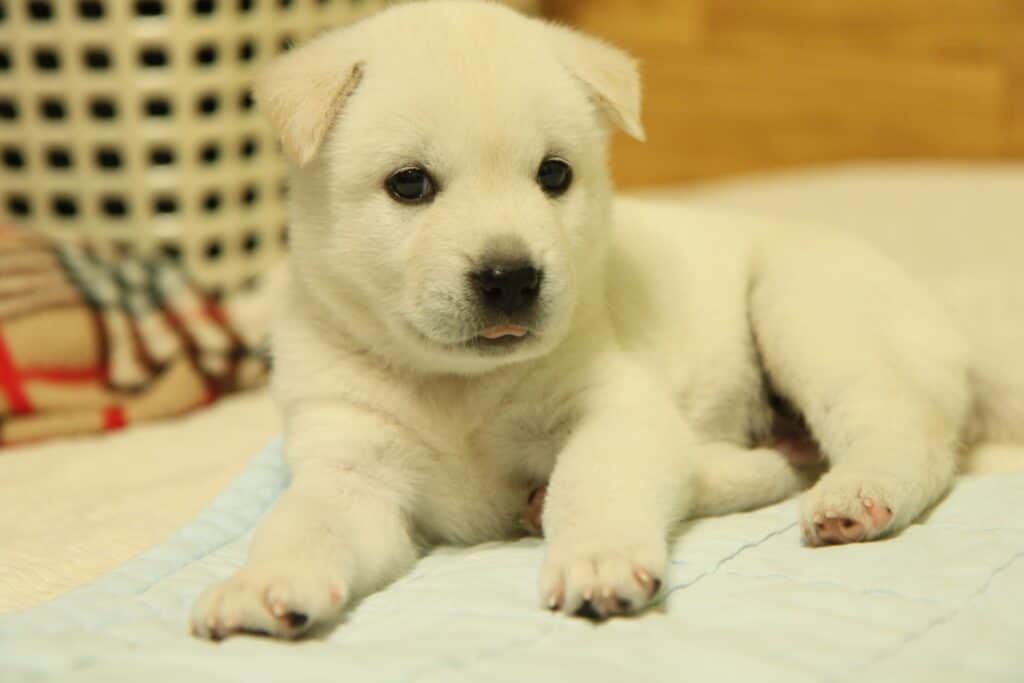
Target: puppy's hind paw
845, 509
834, 530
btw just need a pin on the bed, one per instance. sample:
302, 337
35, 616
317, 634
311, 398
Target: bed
96, 583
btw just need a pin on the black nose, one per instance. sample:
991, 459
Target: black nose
508, 288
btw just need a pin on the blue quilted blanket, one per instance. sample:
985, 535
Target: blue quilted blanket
943, 601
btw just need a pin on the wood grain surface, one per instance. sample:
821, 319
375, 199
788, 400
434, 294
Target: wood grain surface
736, 86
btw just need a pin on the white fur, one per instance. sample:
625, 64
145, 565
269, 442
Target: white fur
640, 397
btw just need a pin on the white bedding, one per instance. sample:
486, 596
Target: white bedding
944, 600
74, 509
745, 601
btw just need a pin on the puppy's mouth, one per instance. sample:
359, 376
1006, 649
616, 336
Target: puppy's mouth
507, 332
497, 339
501, 336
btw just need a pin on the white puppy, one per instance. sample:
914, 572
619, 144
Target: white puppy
470, 317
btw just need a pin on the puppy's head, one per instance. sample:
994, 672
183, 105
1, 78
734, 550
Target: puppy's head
451, 194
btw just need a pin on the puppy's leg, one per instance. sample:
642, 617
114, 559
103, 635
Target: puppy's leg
338, 532
620, 482
728, 479
732, 479
878, 373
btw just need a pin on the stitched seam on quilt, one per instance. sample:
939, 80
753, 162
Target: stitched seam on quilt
839, 586
461, 665
728, 558
944, 619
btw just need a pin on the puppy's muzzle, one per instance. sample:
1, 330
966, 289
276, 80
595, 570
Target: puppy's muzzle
507, 288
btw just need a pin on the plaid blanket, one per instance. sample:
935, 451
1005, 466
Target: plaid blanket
92, 342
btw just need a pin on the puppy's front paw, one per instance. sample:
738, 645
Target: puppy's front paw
283, 602
597, 581
847, 507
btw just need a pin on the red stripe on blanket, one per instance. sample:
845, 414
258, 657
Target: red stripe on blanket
10, 381
113, 418
215, 313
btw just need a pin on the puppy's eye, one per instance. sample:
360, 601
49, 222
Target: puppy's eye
411, 185
554, 176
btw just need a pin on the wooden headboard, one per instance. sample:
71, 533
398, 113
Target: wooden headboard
734, 86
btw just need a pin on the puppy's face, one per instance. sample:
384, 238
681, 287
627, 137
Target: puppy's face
458, 192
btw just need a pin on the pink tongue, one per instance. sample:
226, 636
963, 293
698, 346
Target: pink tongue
503, 331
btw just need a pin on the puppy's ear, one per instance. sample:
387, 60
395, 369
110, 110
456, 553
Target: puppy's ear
610, 74
302, 92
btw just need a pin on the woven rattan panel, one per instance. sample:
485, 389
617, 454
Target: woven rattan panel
130, 123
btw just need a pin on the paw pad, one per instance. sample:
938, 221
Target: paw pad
832, 528
587, 611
